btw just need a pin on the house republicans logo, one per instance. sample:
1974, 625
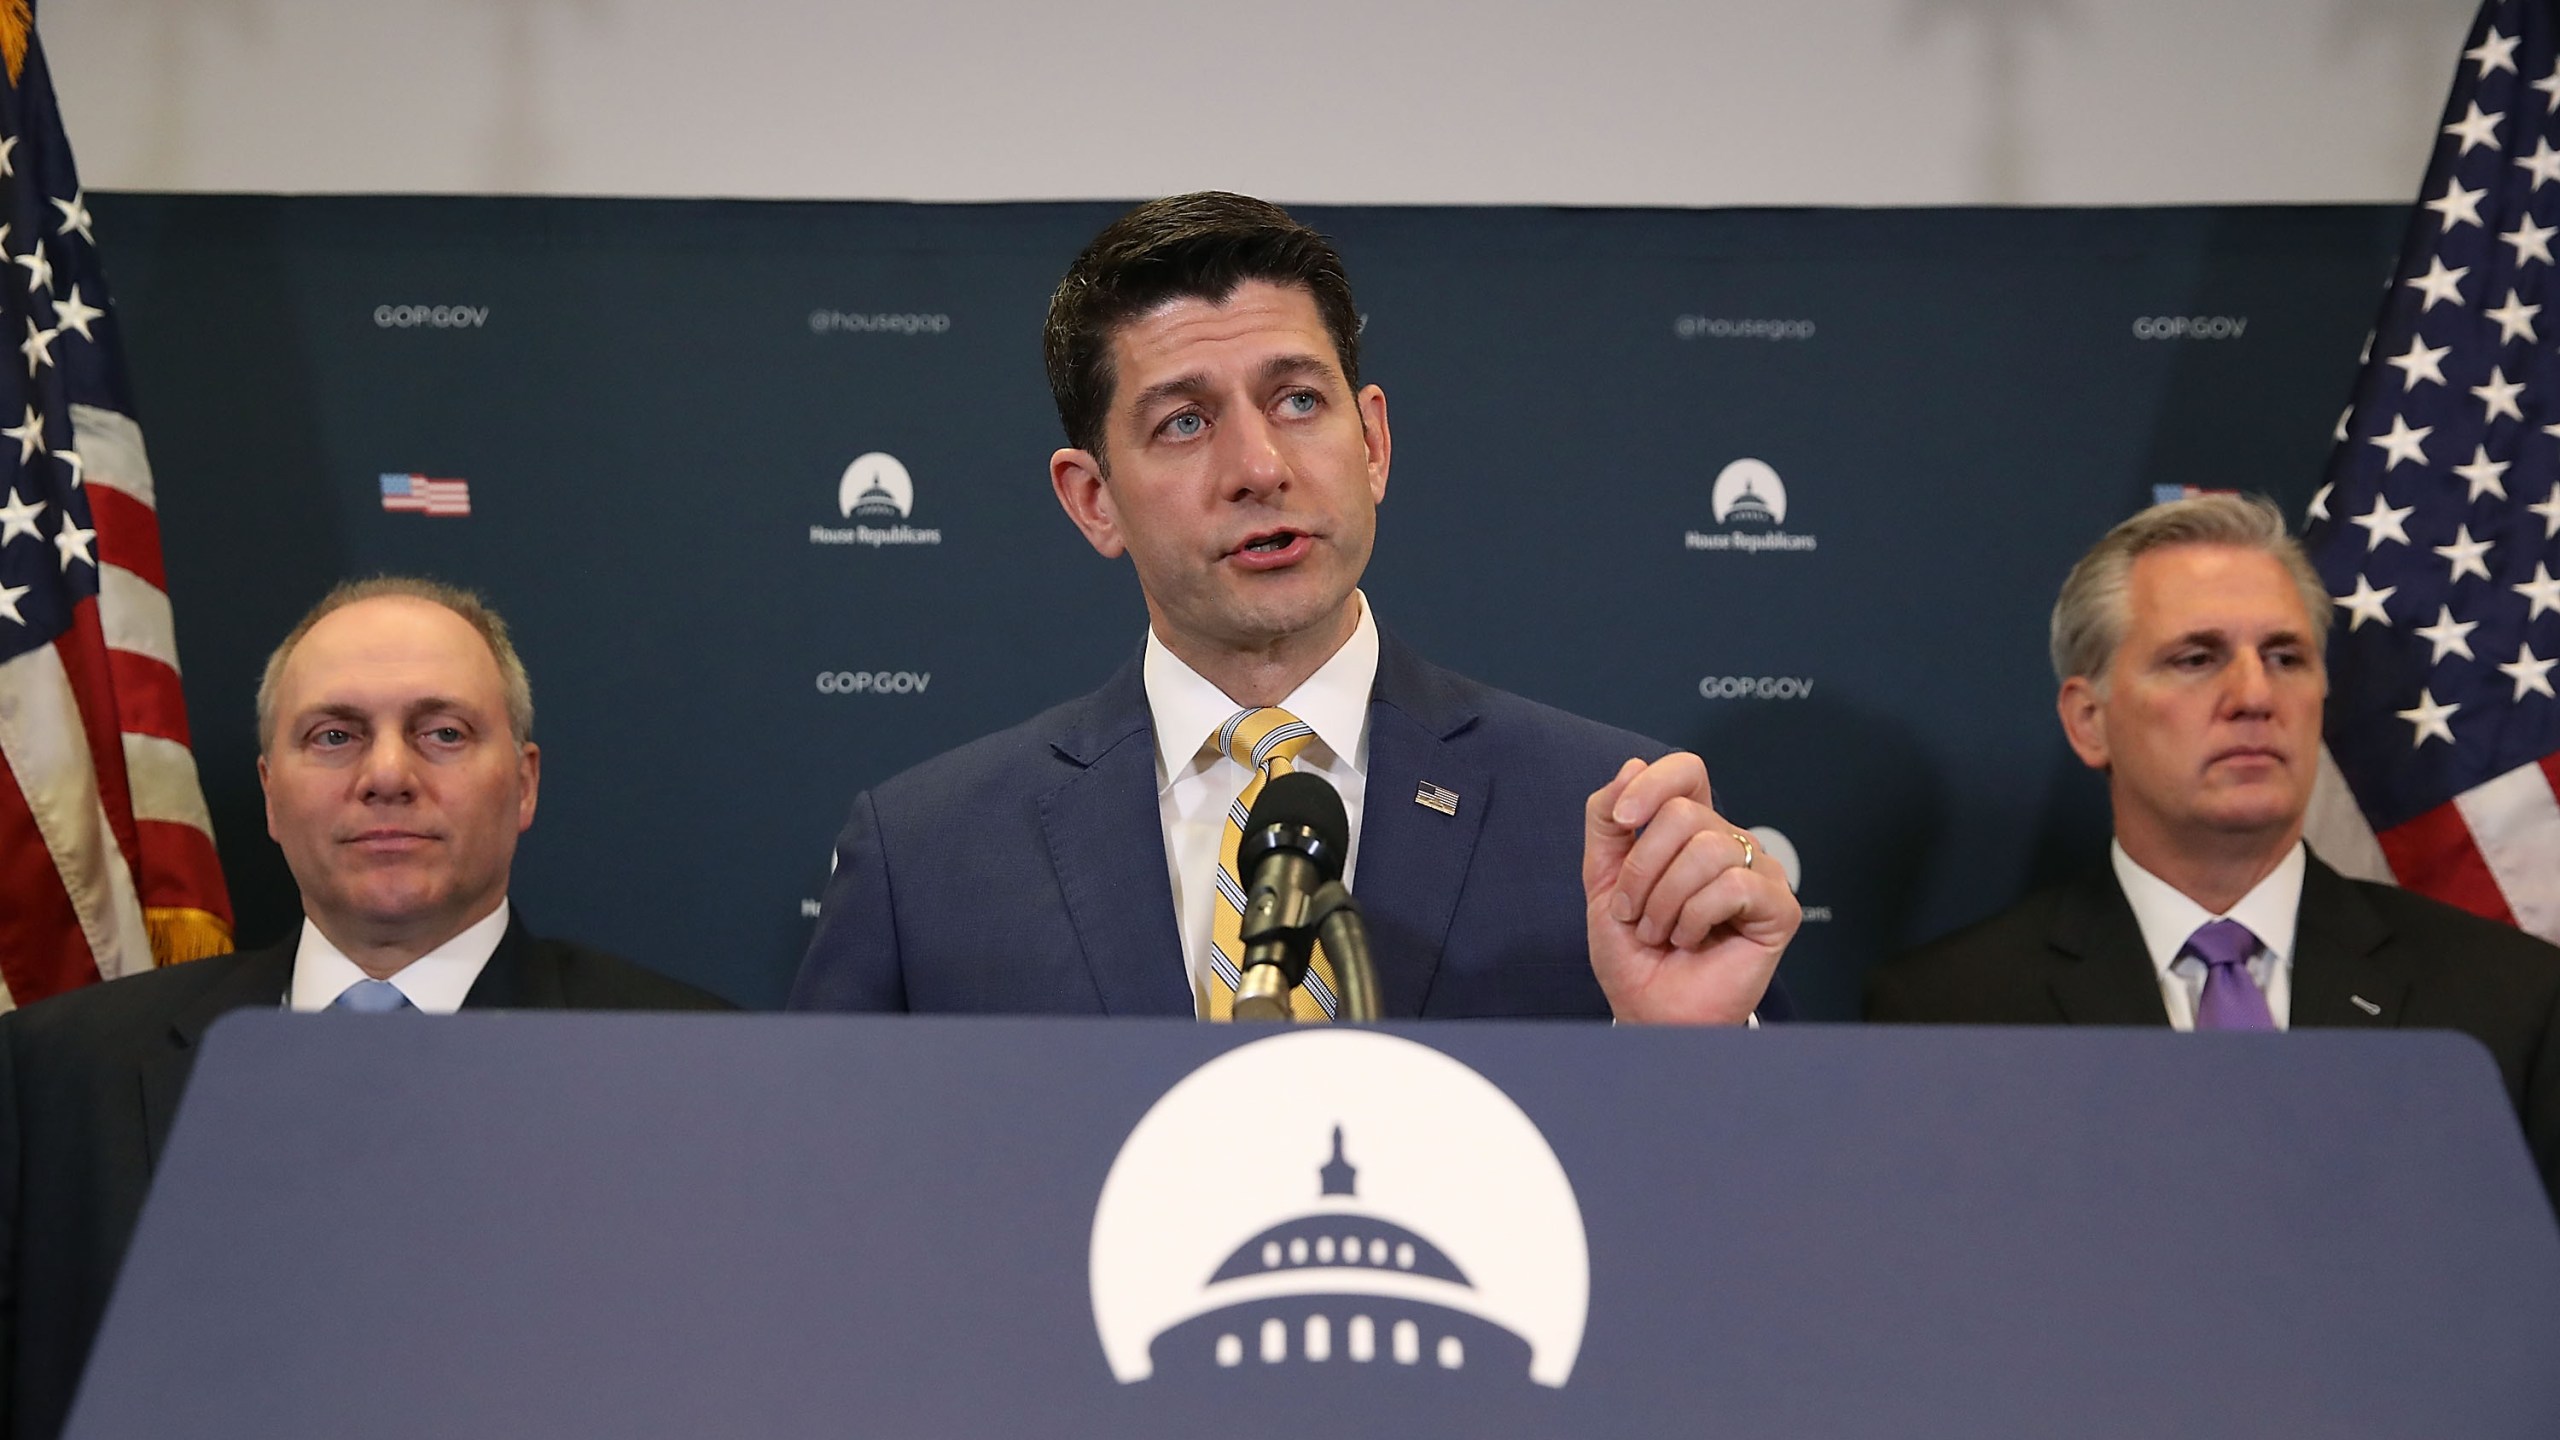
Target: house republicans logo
877, 495
1775, 844
1385, 1217
1748, 492
1750, 501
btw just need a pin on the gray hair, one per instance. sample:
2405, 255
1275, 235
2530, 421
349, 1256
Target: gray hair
2092, 613
473, 610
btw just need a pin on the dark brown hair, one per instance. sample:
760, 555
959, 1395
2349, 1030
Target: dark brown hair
1200, 245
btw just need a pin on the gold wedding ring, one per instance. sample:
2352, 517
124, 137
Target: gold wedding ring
1750, 848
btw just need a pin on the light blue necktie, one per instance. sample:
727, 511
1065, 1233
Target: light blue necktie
371, 997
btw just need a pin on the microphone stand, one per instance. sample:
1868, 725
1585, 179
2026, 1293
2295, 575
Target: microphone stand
1333, 917
1276, 937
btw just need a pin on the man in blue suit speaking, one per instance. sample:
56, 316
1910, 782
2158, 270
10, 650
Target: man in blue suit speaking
1510, 859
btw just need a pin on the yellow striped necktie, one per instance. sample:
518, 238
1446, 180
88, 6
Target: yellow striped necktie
1265, 742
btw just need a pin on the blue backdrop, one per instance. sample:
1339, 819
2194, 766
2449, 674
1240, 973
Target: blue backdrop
654, 404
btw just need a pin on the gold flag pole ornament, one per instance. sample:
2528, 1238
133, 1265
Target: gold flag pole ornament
16, 19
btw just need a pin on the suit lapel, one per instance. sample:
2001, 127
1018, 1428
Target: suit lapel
256, 981
2106, 977
1106, 845
1413, 859
513, 980
2340, 977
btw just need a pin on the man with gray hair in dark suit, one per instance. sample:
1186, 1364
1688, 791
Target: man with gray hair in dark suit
2188, 644
396, 750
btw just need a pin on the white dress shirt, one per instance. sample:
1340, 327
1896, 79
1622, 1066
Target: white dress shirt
2168, 917
434, 982
1194, 789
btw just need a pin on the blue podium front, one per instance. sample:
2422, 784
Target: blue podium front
640, 1226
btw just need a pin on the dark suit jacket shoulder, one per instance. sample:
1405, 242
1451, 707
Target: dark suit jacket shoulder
1025, 872
564, 975
2366, 956
89, 1083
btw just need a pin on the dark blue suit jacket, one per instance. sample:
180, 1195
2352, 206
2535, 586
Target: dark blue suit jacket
1025, 873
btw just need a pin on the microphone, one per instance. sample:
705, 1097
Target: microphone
1295, 840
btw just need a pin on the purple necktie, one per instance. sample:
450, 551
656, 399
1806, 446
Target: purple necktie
2232, 1000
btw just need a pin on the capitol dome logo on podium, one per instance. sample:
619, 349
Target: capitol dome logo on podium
1338, 1207
877, 494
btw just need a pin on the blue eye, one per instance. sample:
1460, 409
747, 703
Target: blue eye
1185, 425
1301, 402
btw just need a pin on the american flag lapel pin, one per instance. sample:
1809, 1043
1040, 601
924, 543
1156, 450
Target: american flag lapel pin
1435, 797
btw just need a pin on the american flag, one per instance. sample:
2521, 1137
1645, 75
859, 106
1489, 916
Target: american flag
419, 495
2439, 529
106, 851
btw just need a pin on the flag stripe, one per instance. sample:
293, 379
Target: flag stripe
2433, 854
45, 742
111, 453
90, 689
135, 616
2338, 831
43, 949
178, 859
165, 786
149, 700
2515, 822
128, 535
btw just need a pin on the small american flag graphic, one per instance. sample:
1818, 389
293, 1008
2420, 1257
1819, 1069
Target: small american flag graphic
419, 495
2167, 494
1434, 797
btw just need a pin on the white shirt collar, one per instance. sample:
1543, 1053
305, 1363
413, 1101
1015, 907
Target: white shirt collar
2167, 917
434, 982
1334, 702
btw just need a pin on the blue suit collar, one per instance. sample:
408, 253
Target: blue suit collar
1439, 701
1106, 834
1106, 846
1100, 722
1414, 859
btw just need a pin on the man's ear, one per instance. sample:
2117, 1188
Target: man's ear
529, 780
268, 795
1380, 443
1085, 494
2084, 720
